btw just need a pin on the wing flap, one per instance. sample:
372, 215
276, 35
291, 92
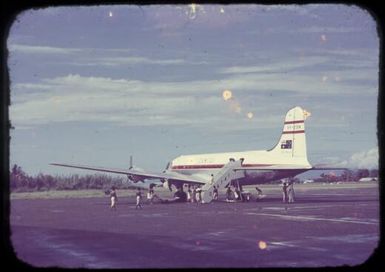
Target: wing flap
327, 167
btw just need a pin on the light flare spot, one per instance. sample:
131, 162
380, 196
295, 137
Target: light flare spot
192, 11
262, 245
110, 14
306, 114
193, 7
222, 10
250, 115
323, 38
227, 94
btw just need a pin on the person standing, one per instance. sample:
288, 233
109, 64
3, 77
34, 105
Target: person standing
199, 195
189, 193
290, 191
215, 193
193, 194
228, 194
150, 195
259, 193
138, 199
284, 192
237, 194
114, 198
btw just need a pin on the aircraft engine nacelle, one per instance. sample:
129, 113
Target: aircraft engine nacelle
134, 178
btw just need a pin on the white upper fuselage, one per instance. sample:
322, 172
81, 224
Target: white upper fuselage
215, 161
203, 165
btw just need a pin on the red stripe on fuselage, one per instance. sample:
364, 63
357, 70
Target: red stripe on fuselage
210, 166
293, 132
294, 122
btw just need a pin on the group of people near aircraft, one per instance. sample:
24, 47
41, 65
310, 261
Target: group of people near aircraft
194, 195
237, 194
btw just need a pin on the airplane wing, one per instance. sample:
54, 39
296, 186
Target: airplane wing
327, 167
139, 175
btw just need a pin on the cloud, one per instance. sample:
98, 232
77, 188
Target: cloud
96, 56
129, 103
132, 102
365, 159
348, 72
119, 101
33, 49
133, 60
276, 67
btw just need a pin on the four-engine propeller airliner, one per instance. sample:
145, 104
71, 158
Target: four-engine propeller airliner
287, 158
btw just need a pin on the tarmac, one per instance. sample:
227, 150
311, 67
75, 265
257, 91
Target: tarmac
327, 226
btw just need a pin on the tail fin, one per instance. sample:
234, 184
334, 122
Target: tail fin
293, 139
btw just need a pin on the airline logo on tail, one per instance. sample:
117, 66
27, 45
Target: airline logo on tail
286, 144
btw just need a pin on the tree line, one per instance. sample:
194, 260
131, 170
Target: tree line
22, 182
347, 175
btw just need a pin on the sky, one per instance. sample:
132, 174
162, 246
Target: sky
93, 85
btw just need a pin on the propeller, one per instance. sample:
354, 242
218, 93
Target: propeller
129, 178
131, 162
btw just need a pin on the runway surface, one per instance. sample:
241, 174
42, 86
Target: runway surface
330, 225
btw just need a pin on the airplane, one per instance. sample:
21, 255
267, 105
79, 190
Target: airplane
286, 159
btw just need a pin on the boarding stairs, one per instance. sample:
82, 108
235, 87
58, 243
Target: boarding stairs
222, 179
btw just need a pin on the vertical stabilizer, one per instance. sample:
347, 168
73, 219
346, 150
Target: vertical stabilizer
292, 143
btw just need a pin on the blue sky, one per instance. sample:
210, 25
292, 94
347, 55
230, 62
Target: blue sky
94, 85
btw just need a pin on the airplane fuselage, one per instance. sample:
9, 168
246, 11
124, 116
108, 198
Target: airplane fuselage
203, 165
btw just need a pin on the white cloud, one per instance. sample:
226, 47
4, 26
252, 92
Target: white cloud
33, 49
95, 56
128, 101
306, 73
124, 102
365, 159
277, 67
115, 61
41, 49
